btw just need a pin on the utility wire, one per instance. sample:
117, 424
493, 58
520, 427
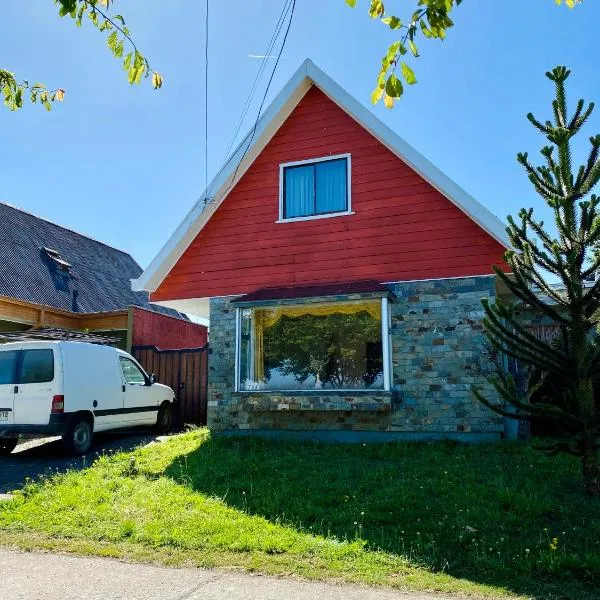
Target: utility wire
287, 31
263, 63
206, 100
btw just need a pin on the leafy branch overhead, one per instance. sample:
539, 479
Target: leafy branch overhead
119, 41
431, 19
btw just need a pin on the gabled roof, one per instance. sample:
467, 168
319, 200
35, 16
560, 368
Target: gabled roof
306, 76
47, 264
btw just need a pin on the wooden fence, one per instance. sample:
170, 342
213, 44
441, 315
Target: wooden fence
185, 371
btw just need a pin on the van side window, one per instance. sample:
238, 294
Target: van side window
37, 366
8, 367
132, 372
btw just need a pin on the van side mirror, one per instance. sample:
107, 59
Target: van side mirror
152, 379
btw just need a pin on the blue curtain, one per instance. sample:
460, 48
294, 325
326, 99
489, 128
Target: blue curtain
331, 186
299, 191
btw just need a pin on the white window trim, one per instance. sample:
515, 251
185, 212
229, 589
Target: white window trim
386, 346
310, 161
238, 332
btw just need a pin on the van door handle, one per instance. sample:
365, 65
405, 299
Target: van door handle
123, 387
16, 389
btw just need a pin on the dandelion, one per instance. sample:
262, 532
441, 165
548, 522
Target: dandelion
554, 545
526, 550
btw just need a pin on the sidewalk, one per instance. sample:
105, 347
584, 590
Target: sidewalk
34, 576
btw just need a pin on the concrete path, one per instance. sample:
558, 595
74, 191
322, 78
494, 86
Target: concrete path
36, 576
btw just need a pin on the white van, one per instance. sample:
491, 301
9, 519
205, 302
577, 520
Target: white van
74, 389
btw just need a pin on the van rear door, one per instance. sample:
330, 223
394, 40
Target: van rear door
35, 386
9, 359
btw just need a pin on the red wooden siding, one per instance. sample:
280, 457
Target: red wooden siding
403, 227
165, 332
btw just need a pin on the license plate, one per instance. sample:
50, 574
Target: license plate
3, 415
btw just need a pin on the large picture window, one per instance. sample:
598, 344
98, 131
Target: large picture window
315, 188
312, 347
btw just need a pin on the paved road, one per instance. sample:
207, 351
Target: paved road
33, 576
42, 456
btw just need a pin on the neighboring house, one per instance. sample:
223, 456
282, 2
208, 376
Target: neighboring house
54, 278
342, 275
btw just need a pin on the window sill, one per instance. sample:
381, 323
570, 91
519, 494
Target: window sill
314, 217
378, 401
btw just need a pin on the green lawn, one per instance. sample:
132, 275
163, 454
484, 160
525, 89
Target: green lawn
477, 519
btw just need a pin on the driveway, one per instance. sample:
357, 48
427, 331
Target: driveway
34, 576
44, 456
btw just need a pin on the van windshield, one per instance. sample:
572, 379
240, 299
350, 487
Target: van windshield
8, 367
37, 366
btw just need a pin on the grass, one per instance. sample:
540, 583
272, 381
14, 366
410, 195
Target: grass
486, 520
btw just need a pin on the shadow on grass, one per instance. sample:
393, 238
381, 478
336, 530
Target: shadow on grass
39, 458
486, 513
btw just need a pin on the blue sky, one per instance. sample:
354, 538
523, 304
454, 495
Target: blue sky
125, 164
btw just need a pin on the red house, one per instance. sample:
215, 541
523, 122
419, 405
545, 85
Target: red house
341, 273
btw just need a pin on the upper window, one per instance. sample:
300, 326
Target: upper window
316, 188
37, 366
335, 346
131, 372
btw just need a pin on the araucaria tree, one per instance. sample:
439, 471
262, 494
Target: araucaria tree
567, 252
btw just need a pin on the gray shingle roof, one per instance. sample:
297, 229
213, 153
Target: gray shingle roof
97, 281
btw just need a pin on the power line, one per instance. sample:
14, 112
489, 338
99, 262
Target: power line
206, 99
287, 31
263, 63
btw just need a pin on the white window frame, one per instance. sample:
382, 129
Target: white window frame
310, 161
386, 345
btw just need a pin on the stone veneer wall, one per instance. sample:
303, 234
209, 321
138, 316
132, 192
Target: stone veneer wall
437, 356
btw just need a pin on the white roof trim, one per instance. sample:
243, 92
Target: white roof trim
307, 75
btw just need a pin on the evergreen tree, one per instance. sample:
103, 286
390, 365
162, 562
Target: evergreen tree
568, 254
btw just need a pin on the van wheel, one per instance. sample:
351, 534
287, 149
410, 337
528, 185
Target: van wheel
7, 445
164, 419
78, 438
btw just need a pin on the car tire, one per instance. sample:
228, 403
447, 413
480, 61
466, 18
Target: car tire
7, 445
79, 437
164, 418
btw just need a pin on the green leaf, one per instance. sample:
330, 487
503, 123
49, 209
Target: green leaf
376, 9
413, 48
157, 80
393, 51
351, 3
377, 94
408, 74
392, 22
394, 87
112, 40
